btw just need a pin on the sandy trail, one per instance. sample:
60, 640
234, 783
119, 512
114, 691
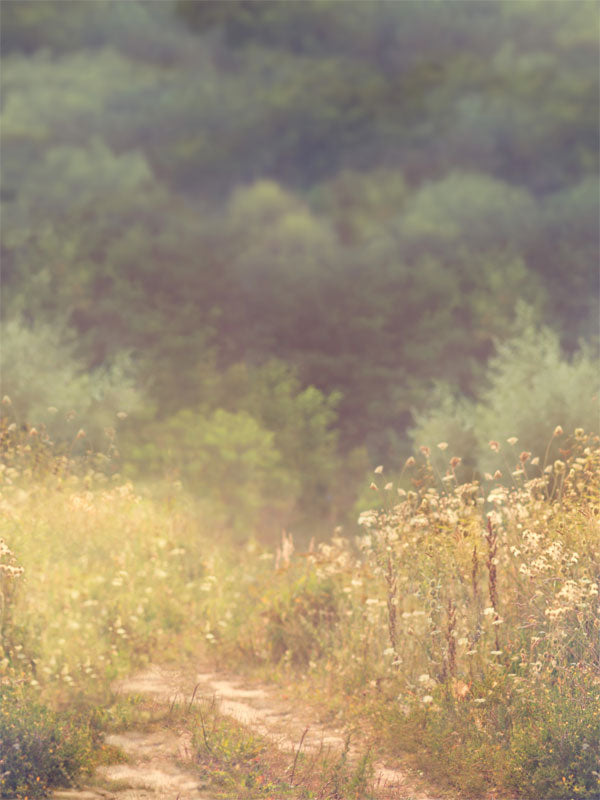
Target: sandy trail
159, 762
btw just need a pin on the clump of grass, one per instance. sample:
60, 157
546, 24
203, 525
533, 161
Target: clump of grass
236, 762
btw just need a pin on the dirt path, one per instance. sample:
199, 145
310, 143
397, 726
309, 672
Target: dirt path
160, 762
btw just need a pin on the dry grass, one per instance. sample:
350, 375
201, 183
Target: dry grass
462, 624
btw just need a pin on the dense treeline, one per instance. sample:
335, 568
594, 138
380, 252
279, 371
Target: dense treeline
282, 235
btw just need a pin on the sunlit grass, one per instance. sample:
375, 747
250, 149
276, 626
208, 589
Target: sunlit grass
461, 625
109, 576
96, 578
464, 624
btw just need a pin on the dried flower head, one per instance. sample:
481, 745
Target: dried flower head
512, 440
558, 431
495, 446
410, 461
425, 450
443, 445
525, 456
455, 461
378, 470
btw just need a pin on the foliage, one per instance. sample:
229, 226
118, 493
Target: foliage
530, 387
48, 385
396, 177
260, 448
227, 457
39, 748
471, 208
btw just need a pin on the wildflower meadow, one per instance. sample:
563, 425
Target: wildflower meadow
459, 627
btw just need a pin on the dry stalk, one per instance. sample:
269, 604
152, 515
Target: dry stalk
392, 588
296, 756
449, 635
475, 576
491, 538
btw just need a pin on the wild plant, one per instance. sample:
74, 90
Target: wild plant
465, 622
534, 647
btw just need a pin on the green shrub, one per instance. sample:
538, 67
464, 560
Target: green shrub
530, 388
39, 748
555, 744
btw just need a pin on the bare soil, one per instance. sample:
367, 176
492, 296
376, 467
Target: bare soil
160, 762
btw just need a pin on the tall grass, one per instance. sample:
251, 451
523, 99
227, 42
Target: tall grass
96, 578
461, 625
464, 623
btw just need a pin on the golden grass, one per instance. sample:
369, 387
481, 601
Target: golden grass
462, 624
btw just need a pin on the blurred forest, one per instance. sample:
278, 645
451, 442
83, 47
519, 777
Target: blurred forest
278, 243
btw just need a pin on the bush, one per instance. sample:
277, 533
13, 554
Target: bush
39, 748
530, 387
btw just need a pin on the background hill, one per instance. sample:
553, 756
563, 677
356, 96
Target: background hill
282, 236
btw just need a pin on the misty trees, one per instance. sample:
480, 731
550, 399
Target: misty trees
530, 386
357, 193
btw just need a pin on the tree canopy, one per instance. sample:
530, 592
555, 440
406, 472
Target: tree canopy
333, 207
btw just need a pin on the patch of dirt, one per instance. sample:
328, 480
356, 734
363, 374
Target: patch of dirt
157, 760
263, 710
